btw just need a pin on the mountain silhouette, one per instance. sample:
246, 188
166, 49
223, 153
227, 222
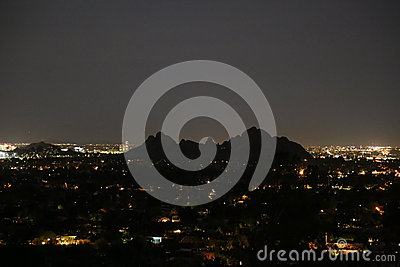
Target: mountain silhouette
286, 150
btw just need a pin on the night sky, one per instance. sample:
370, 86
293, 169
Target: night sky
330, 69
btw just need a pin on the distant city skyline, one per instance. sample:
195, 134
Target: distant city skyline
330, 69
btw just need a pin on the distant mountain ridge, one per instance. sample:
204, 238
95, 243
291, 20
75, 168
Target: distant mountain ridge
286, 150
41, 148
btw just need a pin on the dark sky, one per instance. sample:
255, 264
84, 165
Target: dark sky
330, 69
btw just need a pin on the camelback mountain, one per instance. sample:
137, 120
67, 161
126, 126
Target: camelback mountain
286, 150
